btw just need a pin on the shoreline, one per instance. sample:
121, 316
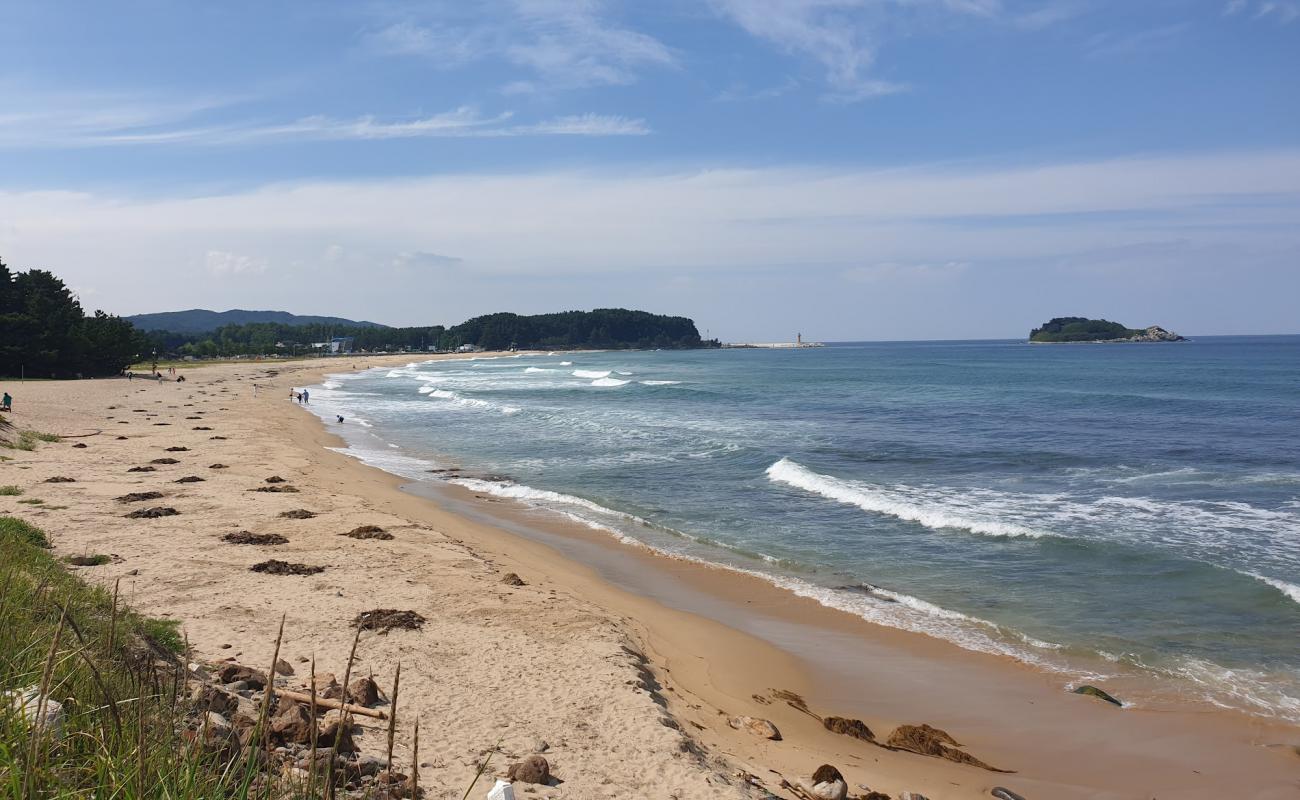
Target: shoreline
732, 638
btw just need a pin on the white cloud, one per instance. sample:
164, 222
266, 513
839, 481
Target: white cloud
563, 44
221, 263
1126, 43
107, 127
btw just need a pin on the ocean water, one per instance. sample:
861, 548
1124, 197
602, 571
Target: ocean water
1095, 510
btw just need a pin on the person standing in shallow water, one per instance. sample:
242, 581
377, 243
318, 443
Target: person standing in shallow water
306, 396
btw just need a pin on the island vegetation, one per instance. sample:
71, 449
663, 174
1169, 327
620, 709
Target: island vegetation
1082, 329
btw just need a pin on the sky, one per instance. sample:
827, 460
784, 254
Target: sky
848, 169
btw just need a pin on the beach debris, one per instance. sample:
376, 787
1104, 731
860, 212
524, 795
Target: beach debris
284, 487
759, 727
143, 469
247, 537
828, 784
79, 446
1003, 793
138, 497
533, 769
221, 438
386, 619
368, 532
791, 699
165, 461
190, 479
201, 428
153, 513
178, 450
121, 438
297, 513
501, 791
912, 796
511, 579
39, 714
275, 479
59, 479
156, 423
217, 466
363, 692
849, 727
1100, 694
928, 741
277, 567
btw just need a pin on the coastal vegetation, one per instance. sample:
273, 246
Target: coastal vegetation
1082, 329
603, 328
45, 333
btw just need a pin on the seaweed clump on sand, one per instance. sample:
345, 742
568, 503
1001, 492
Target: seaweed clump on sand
297, 513
277, 567
278, 488
138, 497
386, 619
934, 742
247, 537
153, 513
368, 532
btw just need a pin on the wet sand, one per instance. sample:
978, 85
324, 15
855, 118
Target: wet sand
560, 659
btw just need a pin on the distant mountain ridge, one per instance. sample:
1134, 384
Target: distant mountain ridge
201, 320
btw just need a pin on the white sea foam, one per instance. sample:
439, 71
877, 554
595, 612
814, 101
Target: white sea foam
905, 503
471, 402
590, 373
609, 382
566, 363
539, 369
660, 383
1289, 589
624, 373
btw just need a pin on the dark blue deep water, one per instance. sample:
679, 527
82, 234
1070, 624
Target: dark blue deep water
1093, 509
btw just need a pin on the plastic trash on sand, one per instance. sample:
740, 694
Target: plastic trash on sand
502, 791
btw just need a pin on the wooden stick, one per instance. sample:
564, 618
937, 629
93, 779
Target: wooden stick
329, 702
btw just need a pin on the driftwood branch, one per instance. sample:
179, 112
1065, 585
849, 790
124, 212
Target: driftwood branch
325, 702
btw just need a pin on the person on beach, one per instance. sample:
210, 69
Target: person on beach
306, 396
340, 416
7, 404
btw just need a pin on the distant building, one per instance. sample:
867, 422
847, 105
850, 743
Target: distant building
469, 348
341, 344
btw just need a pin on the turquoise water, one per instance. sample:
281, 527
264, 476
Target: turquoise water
1091, 509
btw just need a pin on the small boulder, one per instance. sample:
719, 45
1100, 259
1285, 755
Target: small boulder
533, 769
339, 736
512, 579
230, 673
292, 723
1005, 794
756, 726
912, 796
363, 692
283, 667
327, 686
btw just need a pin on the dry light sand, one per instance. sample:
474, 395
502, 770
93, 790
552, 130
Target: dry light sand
626, 696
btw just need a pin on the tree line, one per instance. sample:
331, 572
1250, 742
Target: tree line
44, 332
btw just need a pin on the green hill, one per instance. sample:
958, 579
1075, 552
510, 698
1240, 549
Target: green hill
199, 320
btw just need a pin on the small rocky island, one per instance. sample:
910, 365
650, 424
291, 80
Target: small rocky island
1081, 329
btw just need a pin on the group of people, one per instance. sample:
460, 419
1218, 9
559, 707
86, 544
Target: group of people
302, 397
158, 376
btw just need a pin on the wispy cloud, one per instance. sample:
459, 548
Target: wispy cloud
1281, 11
559, 44
174, 125
1125, 43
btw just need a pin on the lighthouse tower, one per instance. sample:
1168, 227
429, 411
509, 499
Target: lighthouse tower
798, 340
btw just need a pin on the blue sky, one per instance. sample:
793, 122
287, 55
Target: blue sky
849, 168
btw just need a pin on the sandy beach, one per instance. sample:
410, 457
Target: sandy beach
622, 667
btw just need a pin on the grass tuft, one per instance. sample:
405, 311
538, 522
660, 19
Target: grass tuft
10, 491
14, 528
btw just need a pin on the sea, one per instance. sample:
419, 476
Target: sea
1094, 510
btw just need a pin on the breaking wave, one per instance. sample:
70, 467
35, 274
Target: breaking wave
905, 503
609, 382
590, 373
